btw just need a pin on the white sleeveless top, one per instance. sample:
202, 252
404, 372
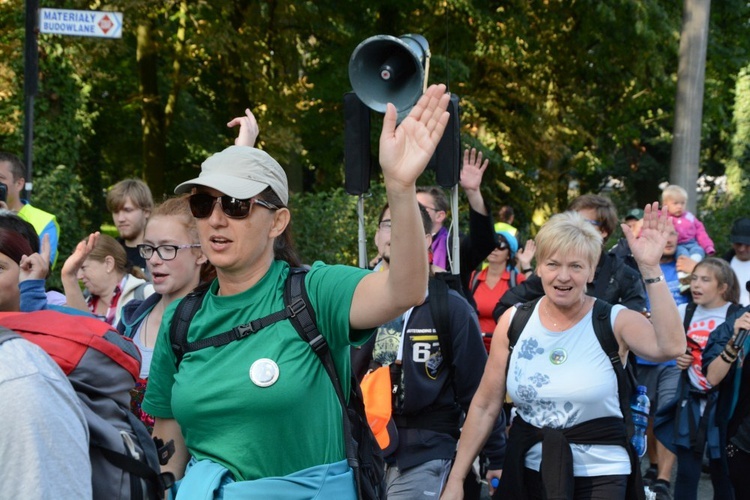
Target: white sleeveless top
560, 379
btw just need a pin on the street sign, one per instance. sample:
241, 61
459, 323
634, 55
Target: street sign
81, 23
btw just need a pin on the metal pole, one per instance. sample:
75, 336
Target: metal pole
456, 240
30, 85
688, 117
362, 237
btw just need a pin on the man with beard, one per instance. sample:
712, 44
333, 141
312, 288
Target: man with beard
130, 203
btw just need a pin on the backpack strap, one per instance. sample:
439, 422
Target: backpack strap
474, 282
181, 324
689, 312
296, 298
182, 317
438, 302
626, 379
513, 277
517, 324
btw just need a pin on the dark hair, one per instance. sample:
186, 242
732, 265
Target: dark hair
438, 195
10, 220
724, 274
423, 213
506, 213
14, 245
16, 165
283, 245
606, 213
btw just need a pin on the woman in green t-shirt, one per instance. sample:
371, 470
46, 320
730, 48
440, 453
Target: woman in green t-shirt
260, 414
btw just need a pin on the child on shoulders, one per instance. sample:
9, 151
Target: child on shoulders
693, 240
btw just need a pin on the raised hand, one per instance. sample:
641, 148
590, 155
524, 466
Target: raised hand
473, 170
248, 129
648, 247
75, 261
36, 265
526, 254
406, 149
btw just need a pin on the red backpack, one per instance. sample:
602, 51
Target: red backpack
102, 367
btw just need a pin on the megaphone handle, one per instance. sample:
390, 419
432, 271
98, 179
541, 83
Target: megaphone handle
426, 72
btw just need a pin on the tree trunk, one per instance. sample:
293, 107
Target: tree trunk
152, 112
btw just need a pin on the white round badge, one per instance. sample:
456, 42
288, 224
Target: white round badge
264, 372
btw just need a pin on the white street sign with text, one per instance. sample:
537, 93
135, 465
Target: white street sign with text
81, 22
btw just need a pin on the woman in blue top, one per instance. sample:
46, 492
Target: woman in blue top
260, 415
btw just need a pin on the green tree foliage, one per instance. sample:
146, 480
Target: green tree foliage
563, 97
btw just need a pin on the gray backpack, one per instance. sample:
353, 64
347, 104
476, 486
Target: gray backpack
102, 367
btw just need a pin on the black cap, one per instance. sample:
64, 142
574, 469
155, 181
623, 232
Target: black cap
740, 231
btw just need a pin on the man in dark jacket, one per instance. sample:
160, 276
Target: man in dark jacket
435, 384
614, 281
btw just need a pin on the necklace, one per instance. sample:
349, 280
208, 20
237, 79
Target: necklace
570, 322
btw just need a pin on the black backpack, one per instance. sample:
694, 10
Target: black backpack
626, 379
362, 451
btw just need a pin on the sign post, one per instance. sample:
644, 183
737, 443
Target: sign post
91, 23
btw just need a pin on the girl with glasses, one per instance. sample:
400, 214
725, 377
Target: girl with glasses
177, 265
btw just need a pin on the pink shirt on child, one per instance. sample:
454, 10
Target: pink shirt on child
688, 228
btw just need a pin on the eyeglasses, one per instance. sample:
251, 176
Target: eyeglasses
165, 252
385, 224
431, 208
502, 246
202, 204
593, 222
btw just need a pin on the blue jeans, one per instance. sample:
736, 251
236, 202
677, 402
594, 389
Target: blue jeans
689, 248
689, 474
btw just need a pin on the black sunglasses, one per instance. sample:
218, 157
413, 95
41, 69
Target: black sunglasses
202, 204
502, 245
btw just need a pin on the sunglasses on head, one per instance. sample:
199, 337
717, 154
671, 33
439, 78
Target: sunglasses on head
202, 204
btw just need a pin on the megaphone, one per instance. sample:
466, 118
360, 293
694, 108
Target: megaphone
385, 69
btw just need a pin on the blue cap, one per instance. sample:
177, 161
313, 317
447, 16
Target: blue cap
511, 240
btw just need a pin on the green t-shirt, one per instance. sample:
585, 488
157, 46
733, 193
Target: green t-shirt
255, 431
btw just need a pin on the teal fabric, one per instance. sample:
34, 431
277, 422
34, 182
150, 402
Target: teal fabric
208, 480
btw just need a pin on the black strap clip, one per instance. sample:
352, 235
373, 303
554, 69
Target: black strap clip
247, 329
296, 307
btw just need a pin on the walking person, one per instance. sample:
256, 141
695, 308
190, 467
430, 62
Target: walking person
569, 437
260, 415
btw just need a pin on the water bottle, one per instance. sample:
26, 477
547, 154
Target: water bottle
640, 408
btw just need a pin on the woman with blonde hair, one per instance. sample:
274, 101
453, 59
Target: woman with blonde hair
101, 264
569, 439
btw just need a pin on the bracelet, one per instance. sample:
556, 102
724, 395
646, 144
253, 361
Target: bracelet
527, 270
651, 281
726, 358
